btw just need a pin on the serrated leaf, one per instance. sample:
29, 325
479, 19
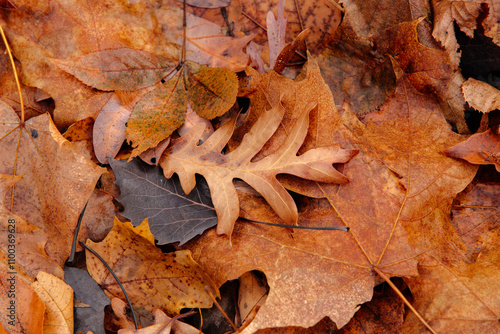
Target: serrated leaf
173, 216
118, 69
186, 159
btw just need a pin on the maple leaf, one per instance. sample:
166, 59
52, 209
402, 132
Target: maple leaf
145, 192
186, 159
144, 271
401, 186
57, 179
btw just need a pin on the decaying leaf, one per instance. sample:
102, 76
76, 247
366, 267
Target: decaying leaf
145, 192
480, 148
57, 179
152, 279
58, 299
186, 159
119, 69
26, 255
276, 29
23, 310
109, 129
480, 95
400, 185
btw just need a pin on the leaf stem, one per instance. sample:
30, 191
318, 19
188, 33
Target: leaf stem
116, 278
75, 237
400, 294
207, 289
15, 72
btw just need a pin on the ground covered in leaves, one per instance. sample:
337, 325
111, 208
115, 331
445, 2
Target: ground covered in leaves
250, 167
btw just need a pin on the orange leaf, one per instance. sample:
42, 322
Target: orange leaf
186, 159
152, 279
480, 149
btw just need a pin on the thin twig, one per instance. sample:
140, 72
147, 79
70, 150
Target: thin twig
207, 289
75, 237
15, 72
116, 278
400, 294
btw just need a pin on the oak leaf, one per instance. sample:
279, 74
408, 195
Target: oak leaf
401, 186
186, 159
152, 279
145, 192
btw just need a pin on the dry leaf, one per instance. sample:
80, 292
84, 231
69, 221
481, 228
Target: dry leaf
57, 180
276, 29
152, 279
26, 255
400, 186
186, 158
58, 299
481, 96
22, 310
109, 129
480, 148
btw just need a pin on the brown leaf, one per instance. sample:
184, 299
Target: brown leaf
400, 187
58, 299
152, 279
119, 69
457, 298
22, 310
26, 255
480, 149
163, 324
186, 159
481, 96
276, 29
209, 91
57, 180
109, 129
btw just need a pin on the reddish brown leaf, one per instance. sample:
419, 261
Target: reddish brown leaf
480, 149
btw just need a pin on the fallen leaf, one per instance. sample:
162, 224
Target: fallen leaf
276, 29
400, 188
208, 3
186, 158
119, 69
210, 93
109, 129
252, 294
58, 299
480, 149
57, 180
457, 298
481, 96
25, 254
22, 310
87, 291
152, 279
163, 324
447, 13
145, 192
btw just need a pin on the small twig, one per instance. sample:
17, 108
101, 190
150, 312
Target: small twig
325, 228
18, 84
207, 289
400, 294
75, 237
224, 15
116, 278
